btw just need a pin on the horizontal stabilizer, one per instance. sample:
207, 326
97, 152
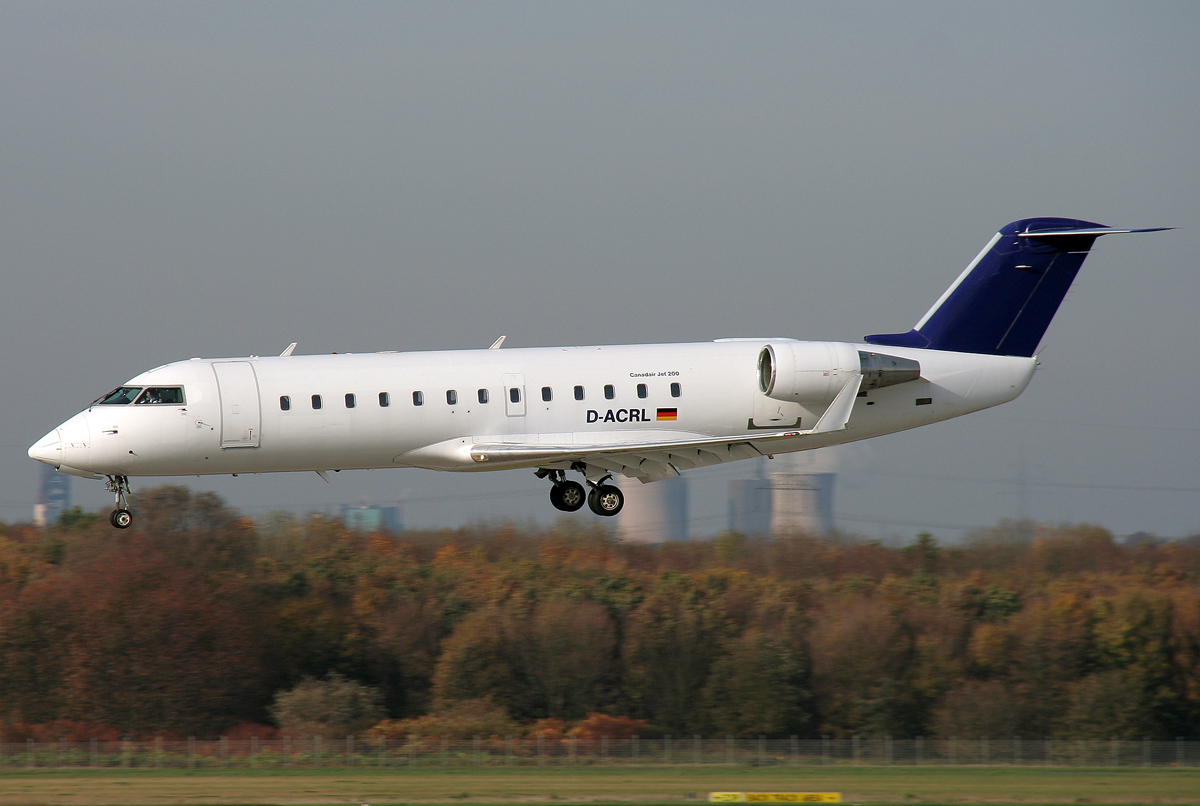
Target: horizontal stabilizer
1096, 231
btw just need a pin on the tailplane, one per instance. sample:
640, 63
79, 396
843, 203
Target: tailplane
1003, 302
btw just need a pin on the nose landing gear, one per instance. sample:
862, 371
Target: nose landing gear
121, 517
568, 496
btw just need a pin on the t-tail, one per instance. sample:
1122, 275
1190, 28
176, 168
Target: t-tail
1003, 302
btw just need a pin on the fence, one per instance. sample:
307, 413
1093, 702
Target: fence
668, 750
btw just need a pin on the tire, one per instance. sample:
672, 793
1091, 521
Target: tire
121, 518
606, 500
567, 496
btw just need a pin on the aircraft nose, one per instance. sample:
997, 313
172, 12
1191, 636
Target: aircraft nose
48, 449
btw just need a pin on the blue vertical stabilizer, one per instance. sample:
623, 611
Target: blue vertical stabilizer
1004, 301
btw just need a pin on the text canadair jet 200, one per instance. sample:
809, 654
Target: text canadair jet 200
646, 411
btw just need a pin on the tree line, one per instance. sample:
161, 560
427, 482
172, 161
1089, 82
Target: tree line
201, 622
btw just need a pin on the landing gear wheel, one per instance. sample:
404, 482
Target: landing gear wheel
119, 486
606, 500
567, 496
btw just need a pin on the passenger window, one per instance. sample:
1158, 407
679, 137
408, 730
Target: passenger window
675, 390
384, 400
350, 400
579, 393
121, 396
285, 403
316, 401
609, 391
514, 395
418, 398
162, 395
547, 395
483, 396
642, 390
452, 397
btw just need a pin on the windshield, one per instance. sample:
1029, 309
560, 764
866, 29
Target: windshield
118, 397
162, 394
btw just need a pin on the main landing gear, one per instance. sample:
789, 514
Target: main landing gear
121, 517
568, 496
605, 499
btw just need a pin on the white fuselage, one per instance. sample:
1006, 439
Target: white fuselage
231, 419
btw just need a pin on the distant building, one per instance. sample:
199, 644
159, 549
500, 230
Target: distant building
796, 496
365, 518
802, 502
750, 506
655, 512
54, 497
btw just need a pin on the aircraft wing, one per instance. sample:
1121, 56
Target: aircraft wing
645, 460
635, 456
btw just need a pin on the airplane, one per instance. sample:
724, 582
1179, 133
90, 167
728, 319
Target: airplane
644, 411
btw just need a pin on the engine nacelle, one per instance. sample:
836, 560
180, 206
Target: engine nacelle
813, 372
810, 372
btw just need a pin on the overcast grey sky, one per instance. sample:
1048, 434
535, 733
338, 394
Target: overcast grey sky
222, 179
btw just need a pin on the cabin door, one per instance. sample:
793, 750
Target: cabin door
241, 416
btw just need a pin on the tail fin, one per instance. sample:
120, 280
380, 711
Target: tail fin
1004, 301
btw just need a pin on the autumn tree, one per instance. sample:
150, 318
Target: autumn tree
550, 659
37, 622
155, 649
330, 707
761, 684
669, 650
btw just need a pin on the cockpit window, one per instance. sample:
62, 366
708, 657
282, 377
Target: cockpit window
162, 395
119, 397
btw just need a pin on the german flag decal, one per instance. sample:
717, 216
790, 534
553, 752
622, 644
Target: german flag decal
668, 414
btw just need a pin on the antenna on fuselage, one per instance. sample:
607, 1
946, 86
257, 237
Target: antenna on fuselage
289, 349
496, 344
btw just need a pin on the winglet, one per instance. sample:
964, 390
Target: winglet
289, 349
496, 344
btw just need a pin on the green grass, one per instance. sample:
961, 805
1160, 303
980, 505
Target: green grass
625, 785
